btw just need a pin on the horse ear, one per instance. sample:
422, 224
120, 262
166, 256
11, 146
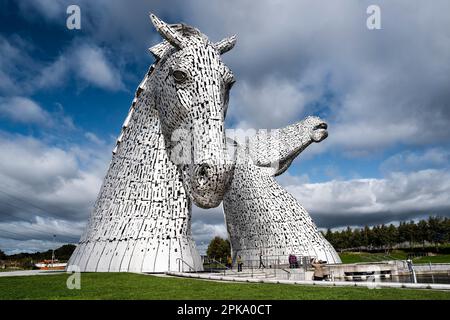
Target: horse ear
168, 33
226, 44
160, 49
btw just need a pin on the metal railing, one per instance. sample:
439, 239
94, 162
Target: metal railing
266, 266
277, 262
224, 269
180, 261
288, 273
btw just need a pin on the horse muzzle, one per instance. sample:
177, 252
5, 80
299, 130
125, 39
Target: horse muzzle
209, 183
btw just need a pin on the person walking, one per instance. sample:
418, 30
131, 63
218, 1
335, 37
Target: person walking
229, 262
239, 263
261, 263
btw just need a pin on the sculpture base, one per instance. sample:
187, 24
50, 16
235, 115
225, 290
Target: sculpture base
264, 219
141, 255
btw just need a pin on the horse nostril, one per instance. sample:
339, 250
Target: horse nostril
321, 126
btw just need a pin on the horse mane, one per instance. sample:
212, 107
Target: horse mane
138, 92
160, 51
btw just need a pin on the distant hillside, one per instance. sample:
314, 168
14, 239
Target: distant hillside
63, 253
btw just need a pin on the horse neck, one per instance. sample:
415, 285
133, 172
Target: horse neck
141, 173
141, 99
142, 141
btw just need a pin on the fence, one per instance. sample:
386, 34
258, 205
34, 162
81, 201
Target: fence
269, 266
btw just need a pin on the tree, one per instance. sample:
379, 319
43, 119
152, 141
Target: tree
366, 236
331, 237
422, 231
446, 225
356, 239
392, 236
436, 230
412, 232
64, 252
402, 232
407, 232
347, 237
383, 236
219, 249
376, 238
2, 255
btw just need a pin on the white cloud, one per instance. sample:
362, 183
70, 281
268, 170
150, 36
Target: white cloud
377, 88
43, 228
54, 75
204, 232
50, 9
86, 62
15, 65
288, 179
24, 110
13, 246
380, 88
357, 201
116, 23
94, 138
366, 135
23, 74
410, 161
92, 66
206, 224
57, 184
27, 160
267, 104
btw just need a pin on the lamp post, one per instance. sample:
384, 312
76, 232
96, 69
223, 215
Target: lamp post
53, 250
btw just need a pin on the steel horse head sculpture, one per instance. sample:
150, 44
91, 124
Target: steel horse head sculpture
264, 219
171, 150
190, 86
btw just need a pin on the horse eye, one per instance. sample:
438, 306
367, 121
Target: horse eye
179, 75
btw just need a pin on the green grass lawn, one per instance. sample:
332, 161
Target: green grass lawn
355, 257
135, 286
442, 258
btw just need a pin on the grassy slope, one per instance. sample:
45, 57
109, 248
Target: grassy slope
134, 286
354, 257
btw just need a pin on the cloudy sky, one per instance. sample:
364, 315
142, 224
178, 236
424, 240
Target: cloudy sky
385, 94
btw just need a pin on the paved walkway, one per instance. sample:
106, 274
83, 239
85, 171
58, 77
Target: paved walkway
208, 276
21, 273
